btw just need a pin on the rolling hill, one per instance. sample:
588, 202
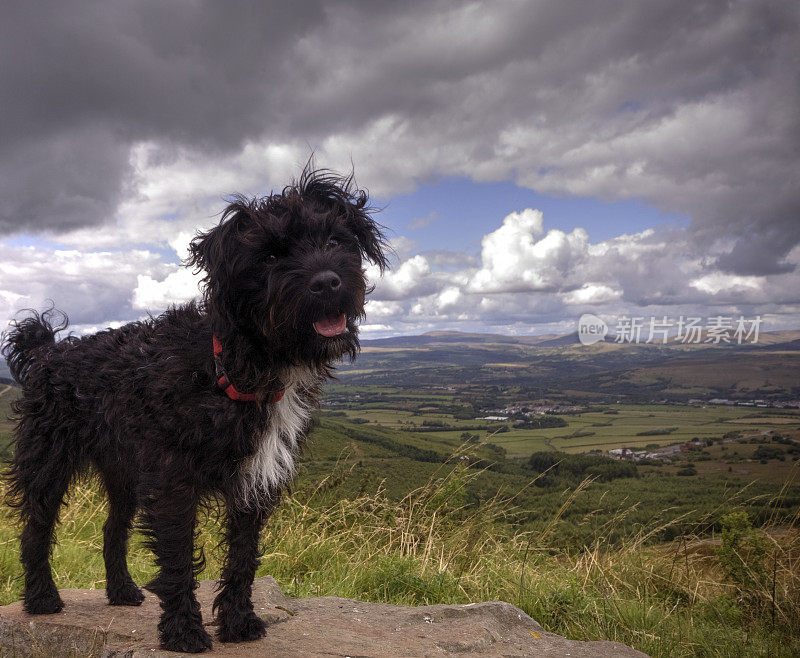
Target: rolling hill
561, 366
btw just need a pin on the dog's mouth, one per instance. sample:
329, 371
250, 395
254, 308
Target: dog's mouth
330, 327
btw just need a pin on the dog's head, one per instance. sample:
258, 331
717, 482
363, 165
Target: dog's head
288, 269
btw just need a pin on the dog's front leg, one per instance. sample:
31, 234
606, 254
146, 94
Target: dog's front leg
169, 517
234, 606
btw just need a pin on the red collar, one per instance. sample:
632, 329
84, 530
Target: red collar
224, 383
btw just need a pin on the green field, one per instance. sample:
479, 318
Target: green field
626, 427
615, 426
378, 515
697, 557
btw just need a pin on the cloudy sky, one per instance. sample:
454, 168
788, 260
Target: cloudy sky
534, 160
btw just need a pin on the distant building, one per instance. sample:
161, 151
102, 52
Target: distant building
626, 453
691, 445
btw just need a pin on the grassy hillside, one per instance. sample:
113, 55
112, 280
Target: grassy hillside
392, 441
407, 495
735, 594
624, 496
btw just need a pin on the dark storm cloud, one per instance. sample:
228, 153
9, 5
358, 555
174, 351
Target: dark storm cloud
689, 106
81, 82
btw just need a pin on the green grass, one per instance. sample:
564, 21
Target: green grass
586, 431
676, 599
657, 492
626, 428
633, 560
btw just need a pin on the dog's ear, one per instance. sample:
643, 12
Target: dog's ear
371, 239
213, 250
218, 252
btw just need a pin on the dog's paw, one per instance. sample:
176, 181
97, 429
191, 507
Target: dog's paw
43, 604
245, 628
126, 594
188, 639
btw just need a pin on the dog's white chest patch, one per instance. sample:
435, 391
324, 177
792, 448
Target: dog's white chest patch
273, 463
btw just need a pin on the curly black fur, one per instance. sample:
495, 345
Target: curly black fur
28, 336
140, 405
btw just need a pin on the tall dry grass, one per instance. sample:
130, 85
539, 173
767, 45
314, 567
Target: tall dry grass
738, 594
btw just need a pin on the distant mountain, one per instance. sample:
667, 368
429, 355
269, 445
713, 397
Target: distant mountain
444, 337
437, 338
559, 367
787, 339
560, 341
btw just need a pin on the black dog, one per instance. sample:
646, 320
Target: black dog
205, 401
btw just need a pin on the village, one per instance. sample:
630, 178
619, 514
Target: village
664, 453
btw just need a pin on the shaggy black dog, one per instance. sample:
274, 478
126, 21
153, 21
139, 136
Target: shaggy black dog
204, 402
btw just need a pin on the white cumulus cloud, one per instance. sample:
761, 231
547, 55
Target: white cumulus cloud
517, 256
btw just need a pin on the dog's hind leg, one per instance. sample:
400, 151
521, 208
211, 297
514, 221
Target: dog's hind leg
120, 588
169, 513
40, 475
233, 605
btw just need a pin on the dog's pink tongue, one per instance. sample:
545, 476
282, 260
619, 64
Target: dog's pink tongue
331, 326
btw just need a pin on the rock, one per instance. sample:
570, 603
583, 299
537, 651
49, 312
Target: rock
327, 626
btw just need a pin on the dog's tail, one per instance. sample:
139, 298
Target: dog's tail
25, 337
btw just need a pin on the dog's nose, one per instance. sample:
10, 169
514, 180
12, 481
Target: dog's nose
324, 282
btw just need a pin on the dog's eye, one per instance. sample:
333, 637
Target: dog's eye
270, 257
331, 243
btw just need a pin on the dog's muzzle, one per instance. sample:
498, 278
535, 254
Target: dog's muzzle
324, 286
